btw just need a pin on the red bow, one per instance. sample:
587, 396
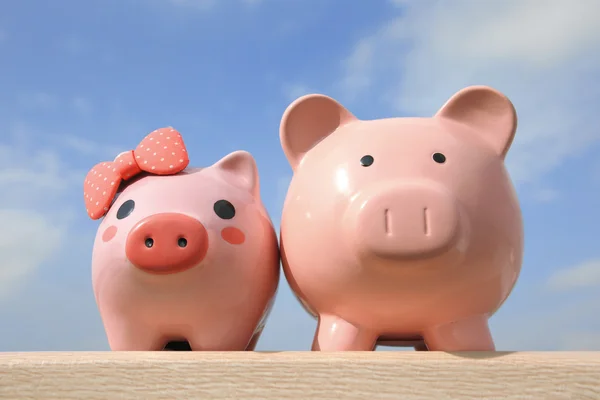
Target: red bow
162, 152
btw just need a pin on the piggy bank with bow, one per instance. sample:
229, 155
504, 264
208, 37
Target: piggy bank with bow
181, 254
401, 229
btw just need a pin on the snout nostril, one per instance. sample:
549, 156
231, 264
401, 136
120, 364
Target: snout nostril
387, 221
182, 242
149, 242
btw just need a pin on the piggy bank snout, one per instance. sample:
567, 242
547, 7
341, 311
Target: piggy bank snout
167, 243
407, 220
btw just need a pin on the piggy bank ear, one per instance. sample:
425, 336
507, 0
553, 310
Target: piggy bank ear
488, 112
241, 166
307, 121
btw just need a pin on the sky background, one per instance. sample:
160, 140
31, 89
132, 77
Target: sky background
81, 81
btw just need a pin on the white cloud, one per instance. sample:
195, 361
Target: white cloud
37, 211
540, 35
27, 240
29, 176
34, 183
584, 275
544, 55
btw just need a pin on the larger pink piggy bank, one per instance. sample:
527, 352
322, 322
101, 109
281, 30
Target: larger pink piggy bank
401, 229
182, 254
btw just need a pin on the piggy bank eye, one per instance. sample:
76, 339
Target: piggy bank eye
224, 209
367, 161
125, 209
439, 158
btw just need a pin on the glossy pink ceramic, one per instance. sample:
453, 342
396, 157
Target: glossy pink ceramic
401, 229
187, 257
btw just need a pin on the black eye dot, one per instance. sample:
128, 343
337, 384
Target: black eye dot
439, 158
182, 242
224, 209
367, 161
149, 242
125, 209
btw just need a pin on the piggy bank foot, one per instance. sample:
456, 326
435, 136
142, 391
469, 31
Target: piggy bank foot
335, 334
471, 334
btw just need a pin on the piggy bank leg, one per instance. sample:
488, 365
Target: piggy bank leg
335, 334
421, 347
472, 334
252, 345
223, 337
129, 337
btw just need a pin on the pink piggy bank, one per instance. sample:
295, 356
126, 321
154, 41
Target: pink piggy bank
182, 255
404, 230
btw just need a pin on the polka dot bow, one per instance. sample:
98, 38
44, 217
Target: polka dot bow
162, 152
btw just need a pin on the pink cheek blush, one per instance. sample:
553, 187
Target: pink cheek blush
233, 235
109, 233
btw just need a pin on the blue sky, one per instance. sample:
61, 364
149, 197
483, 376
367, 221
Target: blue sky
82, 81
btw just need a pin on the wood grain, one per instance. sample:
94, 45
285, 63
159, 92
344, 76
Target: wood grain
300, 375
